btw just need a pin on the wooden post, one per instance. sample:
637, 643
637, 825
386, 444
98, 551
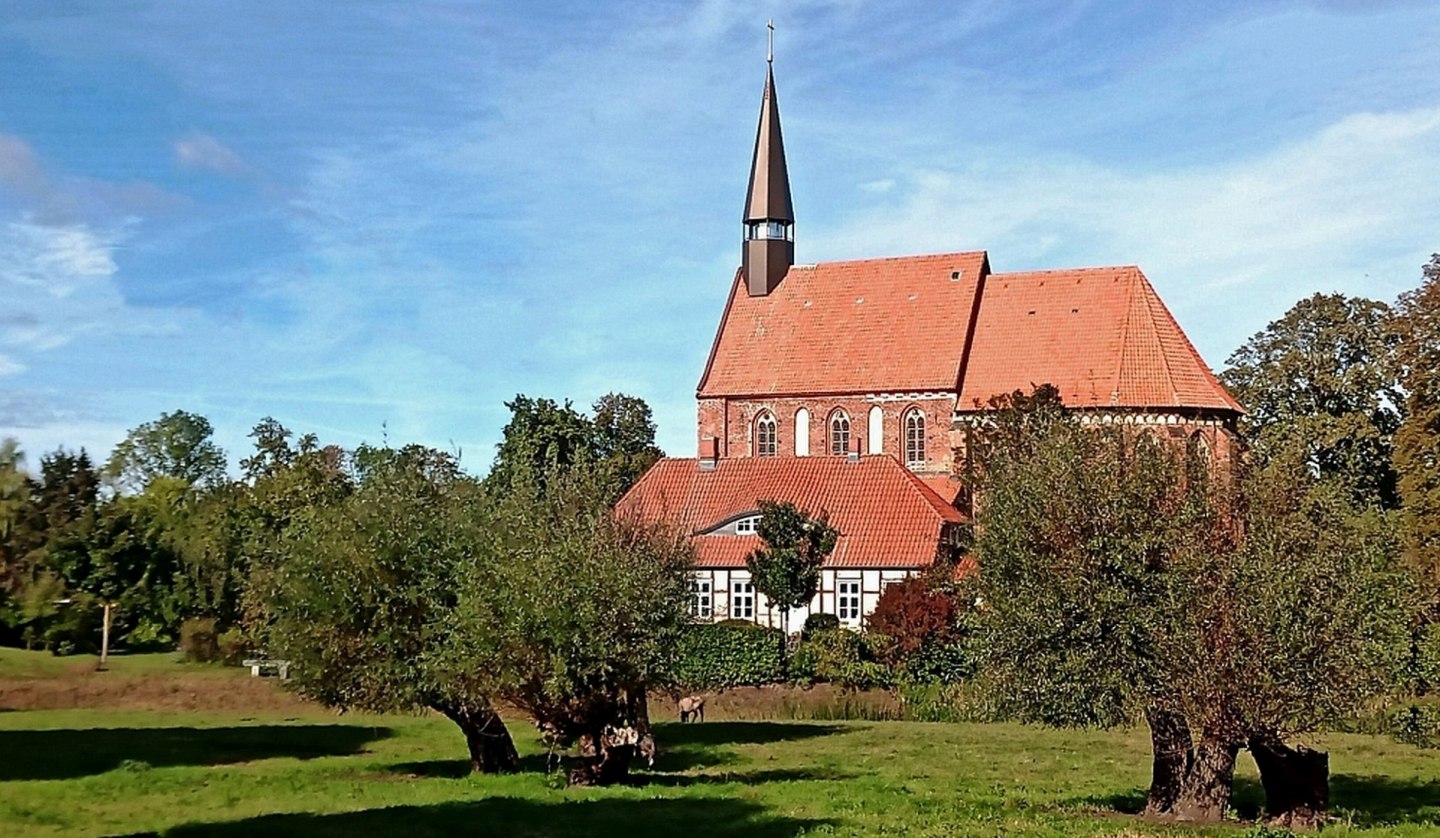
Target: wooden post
105, 637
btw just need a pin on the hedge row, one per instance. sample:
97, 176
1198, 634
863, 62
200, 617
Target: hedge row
729, 654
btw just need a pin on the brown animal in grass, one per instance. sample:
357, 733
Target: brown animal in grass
692, 708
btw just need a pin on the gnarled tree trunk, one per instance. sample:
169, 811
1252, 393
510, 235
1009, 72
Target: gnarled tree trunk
1296, 781
1206, 792
1171, 747
492, 751
604, 757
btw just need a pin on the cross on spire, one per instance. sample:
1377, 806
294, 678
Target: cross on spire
770, 42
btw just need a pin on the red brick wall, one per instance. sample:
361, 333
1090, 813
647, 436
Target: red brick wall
733, 422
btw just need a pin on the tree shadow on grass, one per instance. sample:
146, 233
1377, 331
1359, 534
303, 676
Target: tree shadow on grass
1370, 800
746, 778
1374, 799
694, 818
738, 733
68, 753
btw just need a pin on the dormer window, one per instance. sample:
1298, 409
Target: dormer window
765, 436
776, 230
746, 526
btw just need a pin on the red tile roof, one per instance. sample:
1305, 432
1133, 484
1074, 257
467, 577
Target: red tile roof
836, 327
1101, 335
887, 517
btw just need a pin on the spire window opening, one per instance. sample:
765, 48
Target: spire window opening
839, 434
915, 439
765, 436
774, 230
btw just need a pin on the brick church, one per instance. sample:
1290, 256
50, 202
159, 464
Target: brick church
847, 387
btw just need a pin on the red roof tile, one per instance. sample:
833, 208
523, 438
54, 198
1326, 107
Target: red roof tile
836, 327
1101, 335
887, 517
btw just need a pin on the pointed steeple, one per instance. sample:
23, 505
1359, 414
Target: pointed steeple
769, 217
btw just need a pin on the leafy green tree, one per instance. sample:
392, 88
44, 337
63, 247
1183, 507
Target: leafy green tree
573, 615
625, 431
787, 569
1117, 584
361, 600
16, 507
541, 439
176, 445
1417, 443
1326, 376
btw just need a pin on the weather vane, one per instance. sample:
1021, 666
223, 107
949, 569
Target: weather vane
770, 42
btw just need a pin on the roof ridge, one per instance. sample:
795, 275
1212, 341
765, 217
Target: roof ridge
927, 494
1050, 271
909, 258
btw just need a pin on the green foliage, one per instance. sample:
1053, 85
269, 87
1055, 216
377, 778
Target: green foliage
177, 445
1324, 378
842, 657
714, 656
199, 641
787, 569
1418, 439
819, 622
1416, 724
544, 439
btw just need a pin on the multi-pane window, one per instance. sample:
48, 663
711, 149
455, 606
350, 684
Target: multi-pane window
702, 604
746, 526
914, 439
839, 434
847, 599
742, 599
765, 435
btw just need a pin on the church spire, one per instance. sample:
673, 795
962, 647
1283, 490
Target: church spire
769, 218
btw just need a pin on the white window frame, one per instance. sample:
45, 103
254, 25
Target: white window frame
702, 598
912, 415
848, 599
838, 438
747, 526
765, 425
742, 599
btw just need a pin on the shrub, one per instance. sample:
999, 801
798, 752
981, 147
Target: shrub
1427, 659
234, 645
838, 656
911, 616
732, 653
199, 641
1417, 724
819, 622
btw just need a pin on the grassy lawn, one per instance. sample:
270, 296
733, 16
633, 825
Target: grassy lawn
308, 772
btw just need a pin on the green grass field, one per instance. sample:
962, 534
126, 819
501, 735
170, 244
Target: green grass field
309, 772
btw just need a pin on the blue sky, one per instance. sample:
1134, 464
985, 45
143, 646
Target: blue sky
382, 220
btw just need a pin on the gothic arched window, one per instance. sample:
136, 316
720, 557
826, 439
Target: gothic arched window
875, 434
914, 438
839, 434
802, 433
1199, 449
765, 435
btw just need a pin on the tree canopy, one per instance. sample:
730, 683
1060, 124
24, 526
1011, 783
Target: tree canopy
176, 445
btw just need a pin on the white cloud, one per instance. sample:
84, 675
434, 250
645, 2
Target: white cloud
198, 150
56, 258
10, 366
1349, 208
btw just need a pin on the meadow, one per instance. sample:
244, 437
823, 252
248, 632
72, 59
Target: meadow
165, 748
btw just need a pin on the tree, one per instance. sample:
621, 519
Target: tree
1418, 439
577, 614
544, 438
541, 439
1119, 583
361, 600
1326, 375
625, 432
176, 445
916, 629
786, 571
